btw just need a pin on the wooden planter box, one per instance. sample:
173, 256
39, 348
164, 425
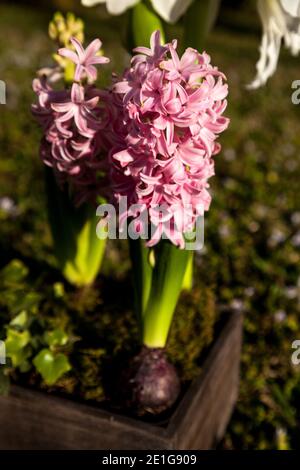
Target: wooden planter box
34, 420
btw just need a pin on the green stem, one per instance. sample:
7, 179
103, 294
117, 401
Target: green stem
78, 251
142, 274
69, 73
187, 284
199, 20
167, 278
142, 22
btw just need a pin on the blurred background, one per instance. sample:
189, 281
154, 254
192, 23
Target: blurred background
251, 256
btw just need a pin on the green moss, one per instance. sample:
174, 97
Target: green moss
99, 328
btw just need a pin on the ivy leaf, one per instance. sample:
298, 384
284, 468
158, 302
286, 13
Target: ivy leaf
56, 337
16, 300
16, 340
20, 321
59, 290
51, 366
25, 365
15, 343
29, 301
14, 272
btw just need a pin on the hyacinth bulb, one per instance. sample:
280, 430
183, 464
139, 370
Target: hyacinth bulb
152, 384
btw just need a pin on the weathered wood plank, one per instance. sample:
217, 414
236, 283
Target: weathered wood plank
203, 415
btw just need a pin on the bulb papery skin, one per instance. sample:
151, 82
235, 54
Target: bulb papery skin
151, 382
168, 115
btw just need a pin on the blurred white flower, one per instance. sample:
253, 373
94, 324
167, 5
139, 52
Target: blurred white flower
169, 10
8, 206
296, 240
295, 218
114, 7
277, 236
291, 292
249, 291
229, 154
280, 20
280, 316
237, 305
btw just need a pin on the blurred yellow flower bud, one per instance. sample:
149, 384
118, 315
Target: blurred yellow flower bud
61, 29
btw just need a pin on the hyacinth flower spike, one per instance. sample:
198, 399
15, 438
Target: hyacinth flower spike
169, 116
199, 19
74, 152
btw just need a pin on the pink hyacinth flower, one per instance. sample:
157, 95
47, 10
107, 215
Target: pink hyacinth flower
156, 51
73, 120
85, 59
166, 114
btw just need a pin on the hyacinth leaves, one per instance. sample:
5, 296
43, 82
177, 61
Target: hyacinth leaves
143, 21
159, 275
198, 21
142, 268
167, 279
78, 251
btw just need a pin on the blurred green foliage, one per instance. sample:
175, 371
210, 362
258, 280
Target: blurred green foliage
252, 237
28, 340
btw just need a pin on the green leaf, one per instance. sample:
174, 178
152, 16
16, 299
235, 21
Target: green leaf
51, 366
199, 21
141, 273
167, 278
30, 301
144, 23
59, 290
16, 340
187, 283
17, 300
16, 343
56, 337
14, 272
78, 250
20, 320
25, 365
